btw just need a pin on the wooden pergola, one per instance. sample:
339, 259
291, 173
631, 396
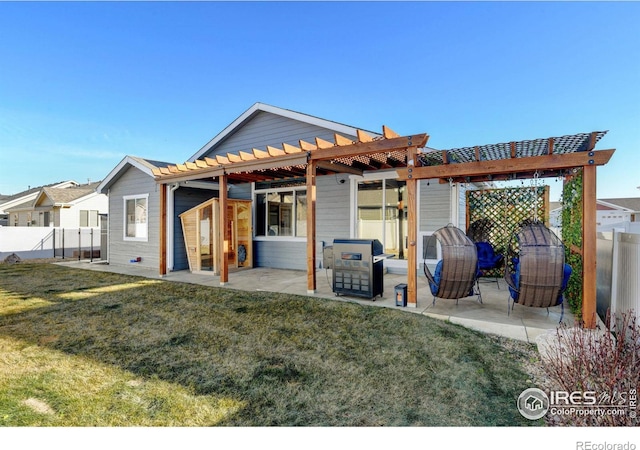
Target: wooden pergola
543, 157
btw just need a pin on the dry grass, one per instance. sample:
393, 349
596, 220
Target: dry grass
113, 350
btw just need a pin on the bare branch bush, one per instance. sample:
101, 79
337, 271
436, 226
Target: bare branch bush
606, 362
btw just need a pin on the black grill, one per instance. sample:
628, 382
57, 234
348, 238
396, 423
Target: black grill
358, 267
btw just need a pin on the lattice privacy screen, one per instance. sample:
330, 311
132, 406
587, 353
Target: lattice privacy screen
494, 215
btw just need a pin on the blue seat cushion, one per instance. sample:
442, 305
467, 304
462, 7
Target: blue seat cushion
565, 280
437, 276
515, 279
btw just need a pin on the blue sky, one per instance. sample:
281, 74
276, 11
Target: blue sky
84, 84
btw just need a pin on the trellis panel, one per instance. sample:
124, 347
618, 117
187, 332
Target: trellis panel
494, 215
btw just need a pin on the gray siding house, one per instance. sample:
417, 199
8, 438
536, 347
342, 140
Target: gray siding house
348, 206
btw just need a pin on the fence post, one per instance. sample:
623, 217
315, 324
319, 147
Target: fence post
62, 229
79, 243
91, 247
54, 242
615, 267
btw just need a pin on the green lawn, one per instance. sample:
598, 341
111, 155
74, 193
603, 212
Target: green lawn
84, 348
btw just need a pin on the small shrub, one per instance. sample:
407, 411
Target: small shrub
602, 361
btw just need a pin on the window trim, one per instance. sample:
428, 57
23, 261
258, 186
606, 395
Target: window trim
89, 217
125, 198
293, 237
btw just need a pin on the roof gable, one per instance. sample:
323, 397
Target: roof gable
146, 166
270, 124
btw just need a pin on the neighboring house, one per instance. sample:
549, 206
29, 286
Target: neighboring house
555, 214
370, 205
609, 211
24, 197
615, 210
65, 207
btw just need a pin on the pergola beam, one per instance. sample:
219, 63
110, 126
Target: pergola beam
508, 166
412, 233
589, 246
365, 148
311, 227
332, 166
223, 233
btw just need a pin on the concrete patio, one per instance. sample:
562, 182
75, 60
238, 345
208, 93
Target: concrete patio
524, 323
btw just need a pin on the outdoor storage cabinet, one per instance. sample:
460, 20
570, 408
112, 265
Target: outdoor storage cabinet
358, 267
200, 226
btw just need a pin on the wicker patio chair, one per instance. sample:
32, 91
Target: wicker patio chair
536, 271
457, 272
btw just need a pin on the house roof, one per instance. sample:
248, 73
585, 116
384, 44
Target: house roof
59, 196
555, 205
261, 107
27, 204
35, 190
21, 199
632, 203
144, 165
624, 204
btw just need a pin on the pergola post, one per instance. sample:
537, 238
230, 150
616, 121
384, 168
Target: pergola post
589, 246
223, 235
311, 227
412, 230
162, 264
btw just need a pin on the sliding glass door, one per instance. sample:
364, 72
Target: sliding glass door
382, 214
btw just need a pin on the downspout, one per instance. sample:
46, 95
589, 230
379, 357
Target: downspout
170, 219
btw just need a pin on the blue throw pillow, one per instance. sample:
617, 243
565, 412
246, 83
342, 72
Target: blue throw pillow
487, 258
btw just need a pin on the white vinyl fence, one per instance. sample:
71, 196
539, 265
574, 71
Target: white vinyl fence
44, 242
618, 272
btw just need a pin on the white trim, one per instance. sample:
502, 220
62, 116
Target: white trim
258, 107
353, 204
125, 198
454, 203
302, 187
280, 238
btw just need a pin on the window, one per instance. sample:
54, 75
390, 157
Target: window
88, 218
281, 212
135, 217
